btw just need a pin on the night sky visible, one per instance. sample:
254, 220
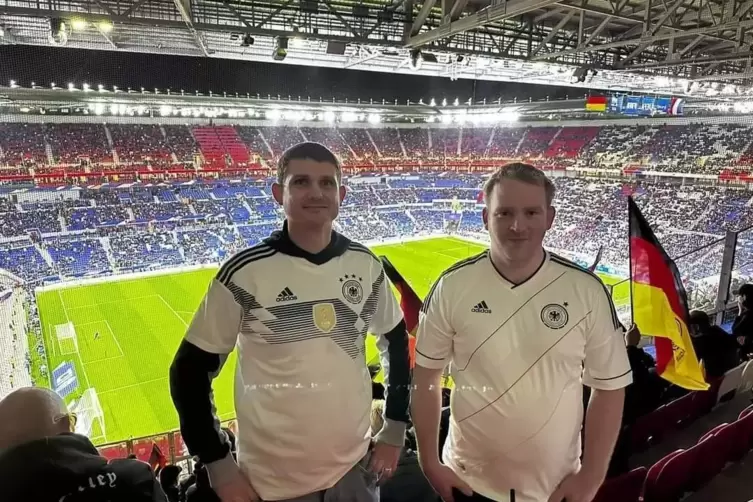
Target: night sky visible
43, 65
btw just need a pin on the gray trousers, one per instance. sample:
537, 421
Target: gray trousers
358, 485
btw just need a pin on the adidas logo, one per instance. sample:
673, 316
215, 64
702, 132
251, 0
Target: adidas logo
482, 308
286, 295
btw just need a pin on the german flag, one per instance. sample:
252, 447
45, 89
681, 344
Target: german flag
410, 304
660, 305
157, 459
596, 103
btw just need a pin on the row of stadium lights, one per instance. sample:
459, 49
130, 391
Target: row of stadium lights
461, 117
433, 102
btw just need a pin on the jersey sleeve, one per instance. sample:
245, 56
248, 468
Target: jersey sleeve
607, 366
217, 321
388, 313
435, 332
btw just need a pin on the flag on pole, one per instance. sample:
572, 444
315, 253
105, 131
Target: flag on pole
157, 459
660, 305
595, 264
410, 304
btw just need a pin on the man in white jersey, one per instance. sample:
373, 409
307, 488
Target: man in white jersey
523, 330
298, 307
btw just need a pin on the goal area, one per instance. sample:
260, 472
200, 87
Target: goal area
90, 418
65, 334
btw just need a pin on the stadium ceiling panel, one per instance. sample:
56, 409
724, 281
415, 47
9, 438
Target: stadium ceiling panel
690, 47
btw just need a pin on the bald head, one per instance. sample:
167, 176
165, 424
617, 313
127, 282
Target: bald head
31, 413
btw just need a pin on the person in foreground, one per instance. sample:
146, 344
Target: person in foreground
523, 330
43, 460
299, 306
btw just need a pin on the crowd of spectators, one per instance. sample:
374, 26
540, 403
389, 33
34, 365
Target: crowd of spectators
698, 148
142, 225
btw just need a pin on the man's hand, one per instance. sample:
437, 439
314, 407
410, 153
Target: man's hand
232, 485
384, 458
577, 487
443, 480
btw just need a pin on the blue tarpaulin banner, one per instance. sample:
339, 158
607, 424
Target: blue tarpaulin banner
64, 379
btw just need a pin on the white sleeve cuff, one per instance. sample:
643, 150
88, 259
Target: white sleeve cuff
613, 383
430, 363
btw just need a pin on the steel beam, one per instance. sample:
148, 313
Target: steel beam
649, 40
107, 37
621, 16
743, 55
184, 8
724, 76
423, 15
494, 13
457, 8
553, 32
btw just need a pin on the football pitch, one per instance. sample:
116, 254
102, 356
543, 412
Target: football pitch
127, 333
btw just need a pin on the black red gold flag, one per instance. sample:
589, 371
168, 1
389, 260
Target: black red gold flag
660, 305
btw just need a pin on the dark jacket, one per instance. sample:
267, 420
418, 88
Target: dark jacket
68, 468
743, 326
718, 350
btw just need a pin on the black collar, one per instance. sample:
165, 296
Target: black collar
281, 242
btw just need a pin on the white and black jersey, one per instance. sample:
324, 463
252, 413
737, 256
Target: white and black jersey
302, 388
519, 355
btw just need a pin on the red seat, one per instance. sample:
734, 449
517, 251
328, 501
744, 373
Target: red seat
712, 453
682, 411
713, 431
746, 417
705, 400
746, 411
649, 429
625, 488
736, 439
668, 479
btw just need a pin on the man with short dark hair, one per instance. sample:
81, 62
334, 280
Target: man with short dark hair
718, 350
523, 329
298, 307
42, 459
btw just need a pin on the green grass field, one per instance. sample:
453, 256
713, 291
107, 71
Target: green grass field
141, 322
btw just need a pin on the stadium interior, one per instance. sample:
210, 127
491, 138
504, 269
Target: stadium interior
117, 204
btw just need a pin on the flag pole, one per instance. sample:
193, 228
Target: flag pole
630, 257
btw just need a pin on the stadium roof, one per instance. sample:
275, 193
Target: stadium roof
690, 47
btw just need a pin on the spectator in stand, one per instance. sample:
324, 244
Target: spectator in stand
303, 416
168, 479
42, 460
645, 393
523, 441
719, 351
742, 328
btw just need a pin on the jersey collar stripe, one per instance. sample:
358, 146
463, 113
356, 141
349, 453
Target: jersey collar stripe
453, 268
241, 260
354, 246
516, 284
470, 358
567, 263
530, 367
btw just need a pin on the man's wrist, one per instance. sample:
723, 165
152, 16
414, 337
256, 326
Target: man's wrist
594, 472
392, 433
427, 460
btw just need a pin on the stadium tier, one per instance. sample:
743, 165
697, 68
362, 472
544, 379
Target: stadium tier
41, 151
102, 278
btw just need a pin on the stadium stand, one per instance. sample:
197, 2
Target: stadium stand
114, 226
